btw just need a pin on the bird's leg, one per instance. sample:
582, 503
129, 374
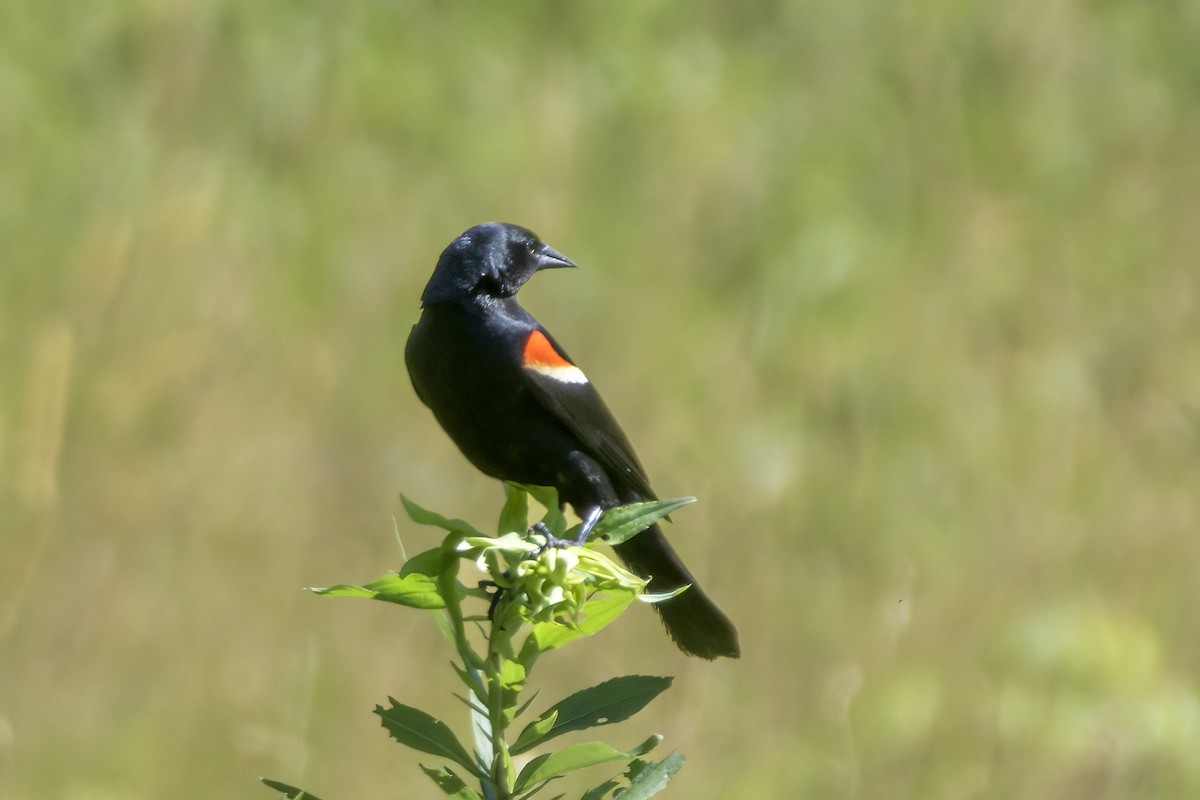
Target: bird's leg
589, 522
541, 529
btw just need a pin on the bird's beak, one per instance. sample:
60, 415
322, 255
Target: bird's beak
549, 258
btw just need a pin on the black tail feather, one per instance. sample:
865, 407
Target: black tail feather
698, 627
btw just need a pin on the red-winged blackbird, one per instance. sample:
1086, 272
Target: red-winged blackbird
521, 411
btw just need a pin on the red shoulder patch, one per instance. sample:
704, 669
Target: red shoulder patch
540, 353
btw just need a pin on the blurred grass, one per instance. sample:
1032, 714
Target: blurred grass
915, 287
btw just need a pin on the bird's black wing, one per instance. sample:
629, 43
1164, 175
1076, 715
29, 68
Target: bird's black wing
565, 391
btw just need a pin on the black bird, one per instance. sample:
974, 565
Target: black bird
521, 411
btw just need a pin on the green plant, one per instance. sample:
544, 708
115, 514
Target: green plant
537, 598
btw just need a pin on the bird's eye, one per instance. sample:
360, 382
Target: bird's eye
531, 247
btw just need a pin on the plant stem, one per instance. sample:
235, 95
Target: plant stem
500, 755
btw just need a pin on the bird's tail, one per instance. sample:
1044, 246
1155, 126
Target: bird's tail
698, 627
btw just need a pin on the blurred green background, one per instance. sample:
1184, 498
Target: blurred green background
905, 293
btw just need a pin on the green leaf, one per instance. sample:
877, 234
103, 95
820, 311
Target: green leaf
624, 522
508, 770
575, 757
661, 597
450, 783
600, 610
423, 516
425, 733
601, 791
613, 700
649, 778
548, 498
535, 732
416, 590
430, 563
290, 792
525, 706
472, 681
515, 514
511, 675
481, 732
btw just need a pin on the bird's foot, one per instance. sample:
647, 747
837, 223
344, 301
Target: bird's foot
589, 522
542, 530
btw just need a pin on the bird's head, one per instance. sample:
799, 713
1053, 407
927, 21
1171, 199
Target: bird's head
490, 260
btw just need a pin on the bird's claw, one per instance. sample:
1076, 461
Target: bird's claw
541, 529
585, 530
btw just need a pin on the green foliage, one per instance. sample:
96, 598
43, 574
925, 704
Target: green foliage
614, 700
619, 524
424, 733
647, 778
415, 590
450, 783
543, 598
575, 757
291, 792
